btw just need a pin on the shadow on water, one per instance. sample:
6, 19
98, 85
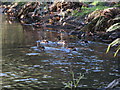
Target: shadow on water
25, 66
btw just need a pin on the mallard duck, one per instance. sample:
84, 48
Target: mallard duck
62, 42
43, 41
72, 48
84, 41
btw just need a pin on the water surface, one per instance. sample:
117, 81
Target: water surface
24, 66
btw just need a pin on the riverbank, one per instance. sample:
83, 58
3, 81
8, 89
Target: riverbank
85, 21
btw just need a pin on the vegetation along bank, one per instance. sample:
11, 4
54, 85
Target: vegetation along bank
97, 21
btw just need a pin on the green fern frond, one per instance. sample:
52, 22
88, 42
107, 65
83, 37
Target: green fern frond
117, 18
113, 27
108, 48
115, 42
118, 48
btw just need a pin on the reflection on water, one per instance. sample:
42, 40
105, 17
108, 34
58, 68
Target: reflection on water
26, 66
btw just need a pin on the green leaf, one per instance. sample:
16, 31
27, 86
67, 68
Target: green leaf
113, 27
117, 51
115, 42
108, 48
117, 18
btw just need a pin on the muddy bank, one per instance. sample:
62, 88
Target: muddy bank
59, 16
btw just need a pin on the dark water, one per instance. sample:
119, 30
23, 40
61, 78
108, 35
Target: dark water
25, 67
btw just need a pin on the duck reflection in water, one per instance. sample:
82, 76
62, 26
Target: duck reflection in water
72, 48
61, 41
39, 46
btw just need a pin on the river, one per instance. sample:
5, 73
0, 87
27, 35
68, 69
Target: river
25, 67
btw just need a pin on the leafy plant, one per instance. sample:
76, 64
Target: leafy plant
101, 20
115, 42
113, 27
117, 18
74, 82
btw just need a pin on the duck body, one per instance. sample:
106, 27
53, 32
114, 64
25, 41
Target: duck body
84, 41
61, 42
44, 41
